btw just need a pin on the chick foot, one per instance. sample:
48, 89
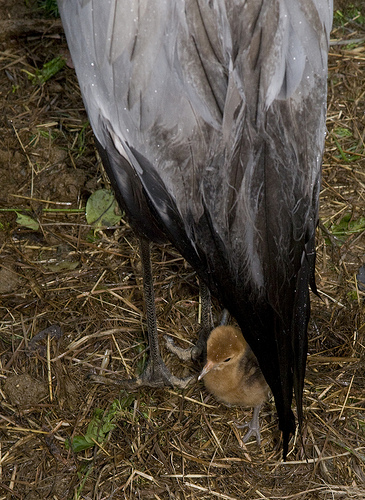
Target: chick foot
253, 426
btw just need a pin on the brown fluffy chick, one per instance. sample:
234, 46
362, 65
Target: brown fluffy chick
232, 374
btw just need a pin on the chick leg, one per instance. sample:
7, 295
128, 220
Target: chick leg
199, 350
253, 426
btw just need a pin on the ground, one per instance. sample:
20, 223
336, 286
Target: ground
71, 307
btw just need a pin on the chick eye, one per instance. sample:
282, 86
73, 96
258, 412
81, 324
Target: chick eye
226, 360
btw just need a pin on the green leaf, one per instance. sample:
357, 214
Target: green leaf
49, 7
102, 209
27, 221
100, 425
48, 70
4, 226
352, 295
346, 227
80, 443
342, 132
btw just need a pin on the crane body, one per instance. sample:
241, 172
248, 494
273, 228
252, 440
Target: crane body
210, 120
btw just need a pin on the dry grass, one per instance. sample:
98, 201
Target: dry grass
165, 444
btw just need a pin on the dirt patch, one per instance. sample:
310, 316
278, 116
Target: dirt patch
24, 391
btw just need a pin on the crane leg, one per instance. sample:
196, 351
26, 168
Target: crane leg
199, 350
156, 373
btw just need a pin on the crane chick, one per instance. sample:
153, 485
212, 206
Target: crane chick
232, 374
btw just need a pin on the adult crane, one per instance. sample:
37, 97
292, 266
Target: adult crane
209, 116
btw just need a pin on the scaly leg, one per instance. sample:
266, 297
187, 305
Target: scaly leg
253, 426
156, 373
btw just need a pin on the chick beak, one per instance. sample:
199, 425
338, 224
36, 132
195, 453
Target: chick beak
209, 366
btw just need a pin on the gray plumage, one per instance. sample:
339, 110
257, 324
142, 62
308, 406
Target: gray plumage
210, 119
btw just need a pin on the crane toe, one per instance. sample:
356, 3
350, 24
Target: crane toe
156, 374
